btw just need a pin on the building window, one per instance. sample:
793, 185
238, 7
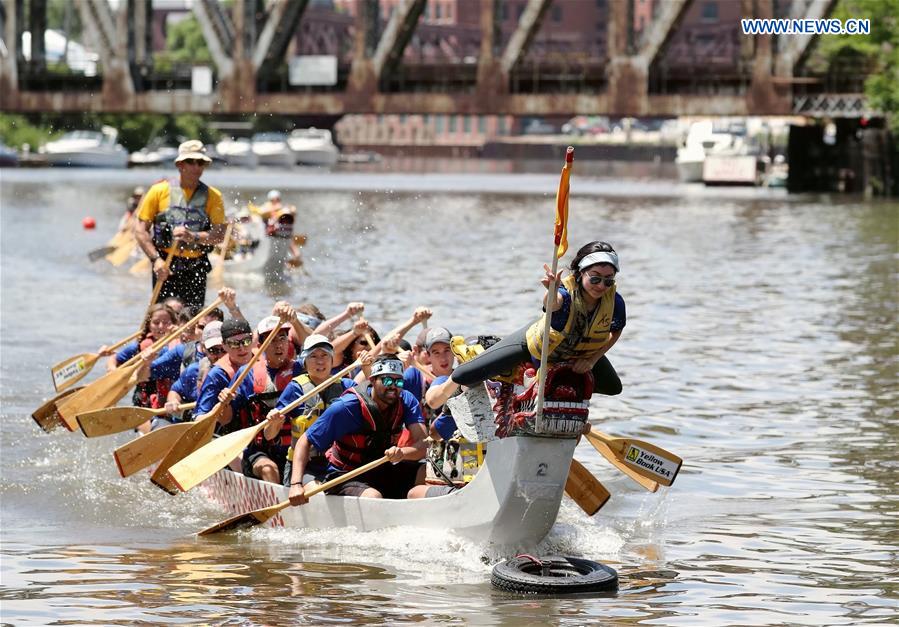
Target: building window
466, 124
557, 13
439, 124
482, 125
437, 11
452, 124
710, 12
501, 125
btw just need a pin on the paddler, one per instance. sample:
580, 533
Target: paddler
362, 426
184, 217
588, 318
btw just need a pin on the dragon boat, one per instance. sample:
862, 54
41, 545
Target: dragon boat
512, 501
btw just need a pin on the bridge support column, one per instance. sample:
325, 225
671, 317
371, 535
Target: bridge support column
238, 89
764, 95
627, 72
492, 81
9, 70
363, 80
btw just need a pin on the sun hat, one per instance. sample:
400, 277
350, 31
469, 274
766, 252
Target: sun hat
192, 149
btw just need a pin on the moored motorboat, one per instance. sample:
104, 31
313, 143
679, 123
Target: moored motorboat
86, 149
271, 149
237, 152
313, 146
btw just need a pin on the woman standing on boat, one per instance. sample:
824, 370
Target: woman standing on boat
587, 320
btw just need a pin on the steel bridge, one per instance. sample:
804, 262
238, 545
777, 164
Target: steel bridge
404, 65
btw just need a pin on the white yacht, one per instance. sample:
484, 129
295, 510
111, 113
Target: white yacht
155, 154
701, 139
237, 152
313, 146
87, 149
271, 149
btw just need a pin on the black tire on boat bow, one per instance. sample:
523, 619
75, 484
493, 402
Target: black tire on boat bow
554, 574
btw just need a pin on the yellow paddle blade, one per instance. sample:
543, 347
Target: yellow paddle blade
148, 449
141, 266
104, 392
604, 450
206, 461
113, 420
70, 371
46, 416
198, 435
122, 253
649, 460
585, 489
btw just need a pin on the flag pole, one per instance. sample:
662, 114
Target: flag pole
560, 235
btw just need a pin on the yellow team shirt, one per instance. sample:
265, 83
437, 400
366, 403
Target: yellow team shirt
156, 201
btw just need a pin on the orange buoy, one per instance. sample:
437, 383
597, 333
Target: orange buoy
88, 222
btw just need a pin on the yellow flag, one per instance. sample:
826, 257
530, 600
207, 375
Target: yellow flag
561, 231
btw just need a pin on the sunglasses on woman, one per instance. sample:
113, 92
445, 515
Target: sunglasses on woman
239, 343
608, 281
389, 382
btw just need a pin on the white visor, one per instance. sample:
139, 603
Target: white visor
599, 257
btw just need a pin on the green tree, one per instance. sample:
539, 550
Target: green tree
184, 46
877, 53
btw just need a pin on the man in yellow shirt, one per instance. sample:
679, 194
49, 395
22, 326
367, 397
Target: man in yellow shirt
185, 218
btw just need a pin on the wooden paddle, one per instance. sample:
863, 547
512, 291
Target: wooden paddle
46, 415
122, 253
117, 419
260, 516
585, 489
138, 454
111, 387
646, 459
99, 253
649, 484
158, 287
217, 276
204, 462
201, 430
69, 371
140, 267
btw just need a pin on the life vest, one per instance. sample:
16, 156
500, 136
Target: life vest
191, 354
182, 212
152, 392
296, 427
595, 334
457, 458
378, 433
265, 395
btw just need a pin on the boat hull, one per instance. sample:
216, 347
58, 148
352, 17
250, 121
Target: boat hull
513, 501
86, 159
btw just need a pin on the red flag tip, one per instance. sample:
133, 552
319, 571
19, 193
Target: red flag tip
569, 154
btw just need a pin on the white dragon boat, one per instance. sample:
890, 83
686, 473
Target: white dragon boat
512, 501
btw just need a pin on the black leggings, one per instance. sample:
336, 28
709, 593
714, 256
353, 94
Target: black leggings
187, 282
512, 350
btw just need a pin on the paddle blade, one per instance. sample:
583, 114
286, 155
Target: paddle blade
585, 489
99, 253
205, 461
148, 449
246, 520
70, 371
604, 450
104, 392
649, 460
141, 266
121, 254
46, 416
112, 420
198, 435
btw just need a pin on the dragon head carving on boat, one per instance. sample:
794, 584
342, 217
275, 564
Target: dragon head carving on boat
566, 404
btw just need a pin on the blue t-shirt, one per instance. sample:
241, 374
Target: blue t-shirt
186, 385
128, 351
168, 364
414, 382
344, 417
444, 423
560, 316
245, 390
216, 381
293, 391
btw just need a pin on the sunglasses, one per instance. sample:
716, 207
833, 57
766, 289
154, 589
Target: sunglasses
216, 350
608, 281
239, 343
389, 382
193, 161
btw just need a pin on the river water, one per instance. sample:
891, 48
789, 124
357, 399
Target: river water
761, 346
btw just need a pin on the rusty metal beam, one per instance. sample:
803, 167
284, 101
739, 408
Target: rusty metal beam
183, 101
37, 25
275, 37
9, 74
396, 36
362, 76
109, 34
672, 12
99, 28
218, 31
795, 47
490, 78
524, 33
